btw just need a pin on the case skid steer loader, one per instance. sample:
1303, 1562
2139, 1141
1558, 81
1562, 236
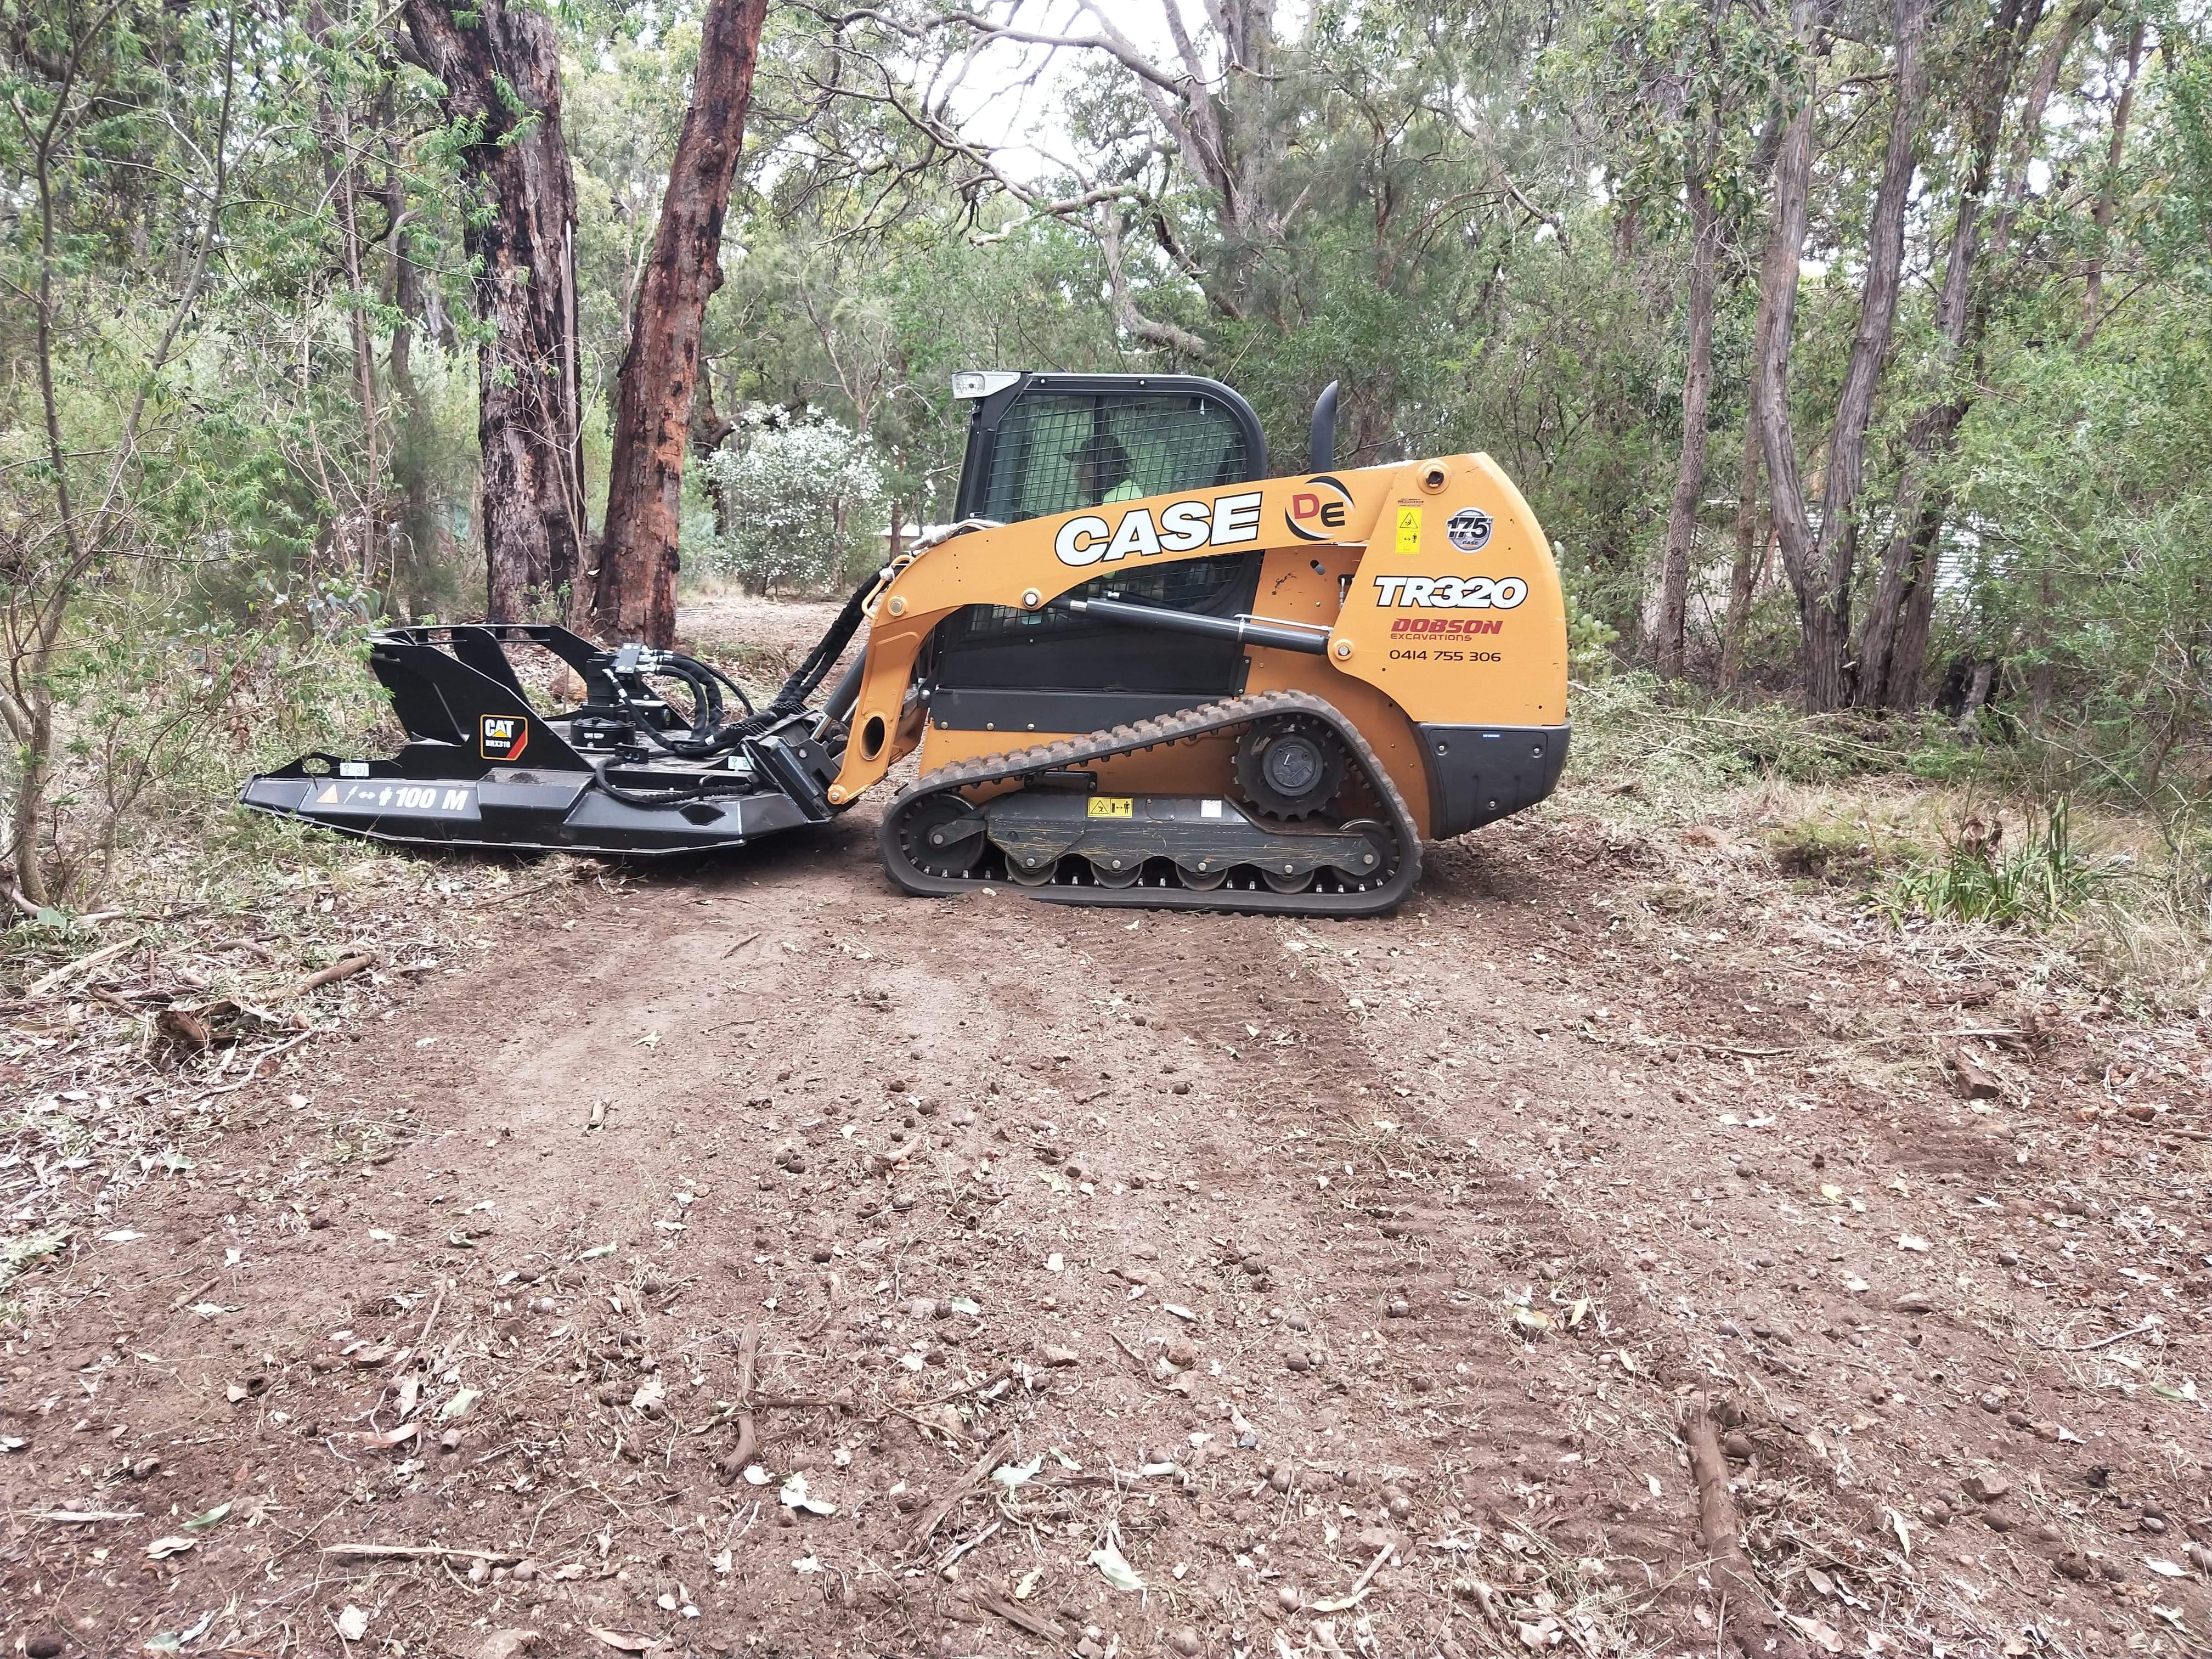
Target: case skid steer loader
1138, 670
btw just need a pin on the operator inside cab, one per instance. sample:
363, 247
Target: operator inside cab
1102, 470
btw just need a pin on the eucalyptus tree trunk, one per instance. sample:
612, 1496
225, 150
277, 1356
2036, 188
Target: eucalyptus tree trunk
1750, 543
2101, 215
499, 61
1697, 393
1892, 642
635, 594
420, 561
1820, 559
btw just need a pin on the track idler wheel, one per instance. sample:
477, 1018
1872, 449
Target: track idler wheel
1291, 767
1377, 837
945, 837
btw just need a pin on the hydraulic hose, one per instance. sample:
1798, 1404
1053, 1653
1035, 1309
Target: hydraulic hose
791, 698
705, 787
707, 736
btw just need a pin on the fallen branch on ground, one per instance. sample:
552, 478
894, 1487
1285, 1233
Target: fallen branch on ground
1730, 1568
67, 968
961, 1488
741, 1408
523, 892
343, 968
2143, 1329
416, 1551
84, 1515
1021, 1618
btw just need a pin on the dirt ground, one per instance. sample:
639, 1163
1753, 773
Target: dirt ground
1150, 1284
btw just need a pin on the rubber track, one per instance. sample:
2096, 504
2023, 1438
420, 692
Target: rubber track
1202, 720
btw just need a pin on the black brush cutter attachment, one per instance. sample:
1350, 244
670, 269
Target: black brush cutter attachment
651, 762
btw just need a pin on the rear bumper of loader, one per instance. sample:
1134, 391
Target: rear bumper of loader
1480, 774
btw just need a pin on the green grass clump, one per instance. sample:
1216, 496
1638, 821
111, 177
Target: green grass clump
2040, 878
18, 1255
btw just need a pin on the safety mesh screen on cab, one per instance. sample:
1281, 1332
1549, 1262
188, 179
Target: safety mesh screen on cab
1056, 453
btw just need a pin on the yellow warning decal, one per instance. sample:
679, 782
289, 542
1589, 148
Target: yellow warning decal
1409, 532
1113, 806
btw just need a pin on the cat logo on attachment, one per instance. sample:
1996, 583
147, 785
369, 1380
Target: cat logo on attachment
1469, 530
502, 737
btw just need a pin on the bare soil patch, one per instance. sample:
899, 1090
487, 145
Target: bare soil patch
1148, 1285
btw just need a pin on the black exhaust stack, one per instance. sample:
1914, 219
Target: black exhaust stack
1324, 429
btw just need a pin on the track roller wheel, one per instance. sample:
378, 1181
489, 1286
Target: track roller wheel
1282, 881
1203, 881
1037, 875
1103, 873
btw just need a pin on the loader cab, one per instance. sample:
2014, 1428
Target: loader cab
1045, 444
1040, 444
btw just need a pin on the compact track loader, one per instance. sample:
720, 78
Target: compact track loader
1138, 670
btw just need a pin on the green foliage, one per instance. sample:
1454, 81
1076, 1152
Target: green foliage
19, 1254
2041, 879
805, 501
2090, 557
1590, 638
1827, 846
1675, 744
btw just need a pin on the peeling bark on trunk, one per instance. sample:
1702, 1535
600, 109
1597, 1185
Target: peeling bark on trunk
1819, 562
501, 68
1696, 392
635, 595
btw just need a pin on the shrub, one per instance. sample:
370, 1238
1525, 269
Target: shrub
1590, 638
805, 501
